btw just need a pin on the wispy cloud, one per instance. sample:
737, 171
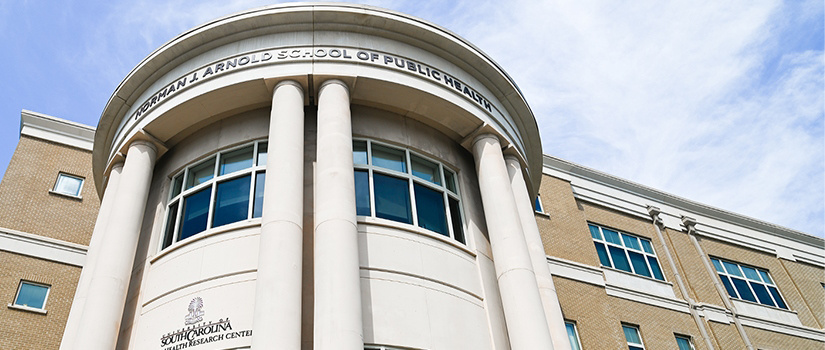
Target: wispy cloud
719, 102
698, 99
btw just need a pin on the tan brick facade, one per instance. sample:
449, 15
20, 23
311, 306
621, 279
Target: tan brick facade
25, 201
28, 330
29, 208
598, 316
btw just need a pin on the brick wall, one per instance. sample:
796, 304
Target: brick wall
29, 330
25, 202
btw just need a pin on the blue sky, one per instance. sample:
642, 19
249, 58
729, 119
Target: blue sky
721, 102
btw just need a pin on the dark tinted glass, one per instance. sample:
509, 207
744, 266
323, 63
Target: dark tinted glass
177, 185
262, 154
168, 237
762, 293
728, 286
389, 158
631, 242
594, 232
603, 258
777, 297
359, 152
619, 259
612, 236
639, 264
392, 198
450, 180
425, 169
646, 246
258, 204
201, 173
742, 288
232, 201
429, 207
455, 217
195, 213
654, 266
362, 191
236, 160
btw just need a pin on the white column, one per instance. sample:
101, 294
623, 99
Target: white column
523, 311
82, 291
547, 290
110, 280
338, 322
277, 316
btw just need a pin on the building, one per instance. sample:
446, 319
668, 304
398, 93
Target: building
401, 164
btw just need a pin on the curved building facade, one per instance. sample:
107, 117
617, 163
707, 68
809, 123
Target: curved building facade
315, 176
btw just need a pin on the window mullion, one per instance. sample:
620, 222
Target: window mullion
255, 154
175, 231
252, 184
446, 197
411, 186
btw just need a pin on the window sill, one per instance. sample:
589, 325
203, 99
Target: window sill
608, 268
80, 198
748, 302
542, 214
27, 309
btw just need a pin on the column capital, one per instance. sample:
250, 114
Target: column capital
292, 83
329, 82
117, 165
484, 136
146, 143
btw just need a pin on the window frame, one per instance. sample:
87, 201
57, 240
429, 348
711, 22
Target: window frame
625, 249
178, 199
41, 310
638, 330
538, 203
575, 333
685, 337
61, 175
749, 281
413, 180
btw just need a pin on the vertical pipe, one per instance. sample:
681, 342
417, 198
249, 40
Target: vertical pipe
690, 224
654, 214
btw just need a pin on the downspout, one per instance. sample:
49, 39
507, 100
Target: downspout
690, 225
654, 214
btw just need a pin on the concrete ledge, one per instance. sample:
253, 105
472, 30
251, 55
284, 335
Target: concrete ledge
42, 247
56, 130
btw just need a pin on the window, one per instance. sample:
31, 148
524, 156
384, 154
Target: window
572, 335
537, 205
624, 252
399, 185
684, 342
31, 295
634, 340
68, 185
748, 283
225, 188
